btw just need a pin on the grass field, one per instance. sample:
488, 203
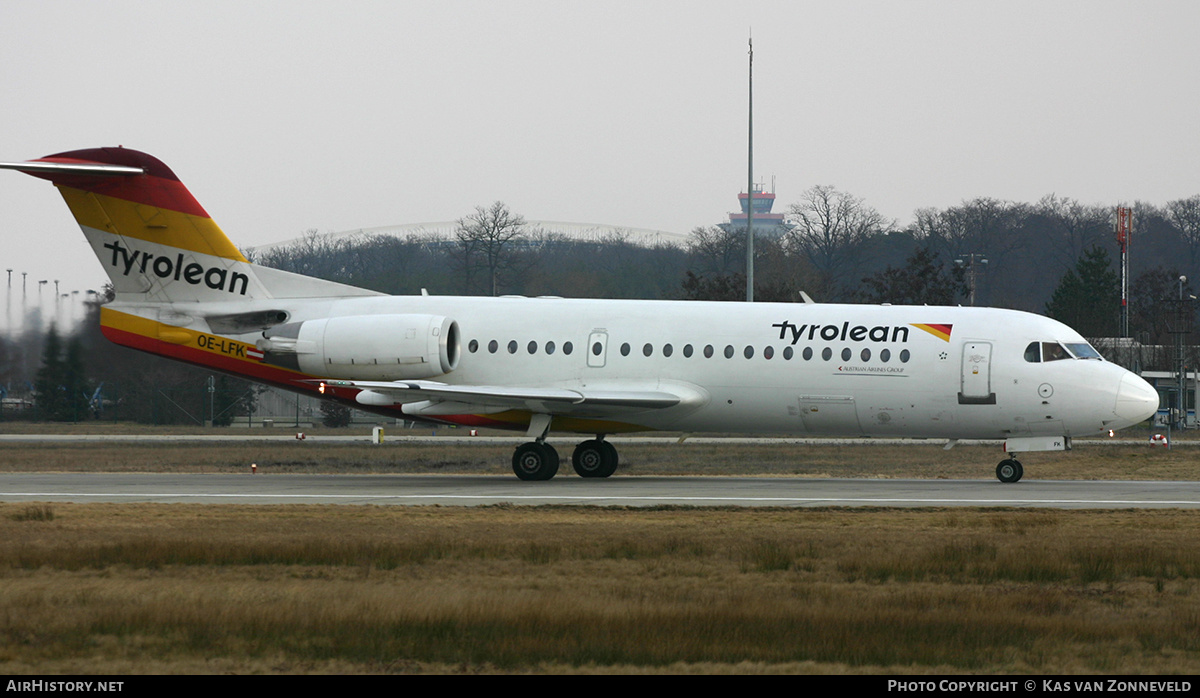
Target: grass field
116, 588
92, 588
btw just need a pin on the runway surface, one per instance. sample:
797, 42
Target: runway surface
475, 490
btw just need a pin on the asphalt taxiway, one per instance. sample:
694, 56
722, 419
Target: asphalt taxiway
477, 490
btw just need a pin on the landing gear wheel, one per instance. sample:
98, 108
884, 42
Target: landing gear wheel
535, 461
594, 458
1009, 470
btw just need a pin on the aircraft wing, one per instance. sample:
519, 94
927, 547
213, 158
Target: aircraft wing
433, 398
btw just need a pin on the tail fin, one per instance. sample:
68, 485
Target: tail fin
151, 235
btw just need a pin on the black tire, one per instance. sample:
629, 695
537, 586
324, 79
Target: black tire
1009, 470
594, 458
535, 461
613, 460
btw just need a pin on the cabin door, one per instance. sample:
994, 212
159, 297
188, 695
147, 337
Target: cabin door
976, 384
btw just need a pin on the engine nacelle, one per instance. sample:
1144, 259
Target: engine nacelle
366, 347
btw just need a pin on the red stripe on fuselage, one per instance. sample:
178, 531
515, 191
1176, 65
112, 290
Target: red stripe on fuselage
264, 373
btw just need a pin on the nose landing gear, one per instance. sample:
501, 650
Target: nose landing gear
1009, 470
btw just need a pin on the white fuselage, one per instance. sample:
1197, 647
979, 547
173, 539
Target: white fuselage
876, 370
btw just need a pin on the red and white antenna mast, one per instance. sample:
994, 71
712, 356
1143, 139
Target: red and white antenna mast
1124, 231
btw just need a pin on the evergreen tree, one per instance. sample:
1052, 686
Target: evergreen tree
232, 398
335, 414
922, 280
1088, 297
51, 377
75, 390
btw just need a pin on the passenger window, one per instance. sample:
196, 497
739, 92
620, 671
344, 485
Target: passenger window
687, 351
768, 352
866, 355
729, 351
648, 349
1033, 353
708, 351
826, 353
473, 346
787, 353
668, 350
885, 355
549, 347
846, 354
492, 347
807, 354
533, 347
625, 349
567, 348
512, 347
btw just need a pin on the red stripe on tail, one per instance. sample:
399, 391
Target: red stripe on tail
159, 187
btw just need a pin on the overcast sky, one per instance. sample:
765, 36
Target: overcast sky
282, 117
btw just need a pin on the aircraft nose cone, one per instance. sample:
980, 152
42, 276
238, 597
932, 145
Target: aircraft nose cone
1137, 400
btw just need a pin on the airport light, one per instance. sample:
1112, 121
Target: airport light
970, 260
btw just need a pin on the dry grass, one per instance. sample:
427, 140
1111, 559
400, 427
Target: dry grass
334, 589
114, 588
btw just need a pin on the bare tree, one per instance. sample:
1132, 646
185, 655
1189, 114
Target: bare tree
716, 250
1184, 214
929, 225
1072, 227
985, 226
829, 226
314, 254
487, 240
991, 228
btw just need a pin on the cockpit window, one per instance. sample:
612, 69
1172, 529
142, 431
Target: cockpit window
1053, 351
1083, 350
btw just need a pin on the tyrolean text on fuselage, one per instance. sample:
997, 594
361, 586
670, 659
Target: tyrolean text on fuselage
841, 333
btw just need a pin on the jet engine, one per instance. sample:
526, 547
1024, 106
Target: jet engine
366, 347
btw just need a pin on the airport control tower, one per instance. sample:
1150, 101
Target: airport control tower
765, 223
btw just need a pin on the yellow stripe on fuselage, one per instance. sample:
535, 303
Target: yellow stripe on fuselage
179, 336
150, 223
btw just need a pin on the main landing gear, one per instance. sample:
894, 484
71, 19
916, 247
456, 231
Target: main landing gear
537, 460
594, 458
1009, 470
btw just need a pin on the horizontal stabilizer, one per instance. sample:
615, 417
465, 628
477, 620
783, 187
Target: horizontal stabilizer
95, 169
